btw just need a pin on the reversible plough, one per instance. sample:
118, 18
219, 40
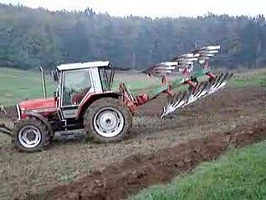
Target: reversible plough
84, 99
182, 66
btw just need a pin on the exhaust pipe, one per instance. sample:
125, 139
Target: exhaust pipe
43, 83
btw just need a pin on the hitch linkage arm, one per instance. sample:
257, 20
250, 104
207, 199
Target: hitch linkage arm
5, 130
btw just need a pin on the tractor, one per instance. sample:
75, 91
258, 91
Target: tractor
84, 99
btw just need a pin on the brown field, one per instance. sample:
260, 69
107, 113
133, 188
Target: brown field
158, 150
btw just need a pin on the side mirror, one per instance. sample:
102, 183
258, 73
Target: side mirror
55, 75
56, 94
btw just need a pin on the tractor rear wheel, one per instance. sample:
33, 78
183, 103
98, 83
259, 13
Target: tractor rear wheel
107, 120
30, 135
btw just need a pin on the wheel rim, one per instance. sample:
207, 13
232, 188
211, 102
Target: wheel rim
108, 122
29, 136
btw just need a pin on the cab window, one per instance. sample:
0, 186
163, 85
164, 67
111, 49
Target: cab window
76, 84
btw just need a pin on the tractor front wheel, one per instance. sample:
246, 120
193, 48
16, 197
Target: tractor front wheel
107, 120
30, 135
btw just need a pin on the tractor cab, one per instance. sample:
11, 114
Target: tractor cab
79, 80
79, 84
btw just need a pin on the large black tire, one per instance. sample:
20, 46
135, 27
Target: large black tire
33, 127
96, 122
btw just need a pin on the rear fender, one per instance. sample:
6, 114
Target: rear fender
82, 108
43, 119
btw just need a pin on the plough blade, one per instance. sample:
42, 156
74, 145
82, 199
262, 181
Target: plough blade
183, 99
219, 82
202, 90
196, 93
175, 102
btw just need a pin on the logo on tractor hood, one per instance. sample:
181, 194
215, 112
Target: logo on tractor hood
39, 105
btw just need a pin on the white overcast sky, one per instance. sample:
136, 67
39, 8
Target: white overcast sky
153, 8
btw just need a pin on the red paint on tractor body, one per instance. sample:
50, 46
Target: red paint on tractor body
38, 104
43, 106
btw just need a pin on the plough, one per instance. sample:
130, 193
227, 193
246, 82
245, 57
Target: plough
183, 66
84, 99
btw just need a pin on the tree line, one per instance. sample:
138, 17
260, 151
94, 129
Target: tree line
38, 37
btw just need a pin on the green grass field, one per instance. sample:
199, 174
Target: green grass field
254, 78
17, 85
239, 174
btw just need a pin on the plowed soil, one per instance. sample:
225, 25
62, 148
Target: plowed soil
158, 150
137, 172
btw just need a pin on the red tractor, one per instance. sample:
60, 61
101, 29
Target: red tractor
84, 100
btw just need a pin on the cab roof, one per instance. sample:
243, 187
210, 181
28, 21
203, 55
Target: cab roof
83, 65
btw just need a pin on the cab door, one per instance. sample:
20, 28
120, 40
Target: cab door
76, 84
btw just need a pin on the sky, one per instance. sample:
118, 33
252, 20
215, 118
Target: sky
153, 8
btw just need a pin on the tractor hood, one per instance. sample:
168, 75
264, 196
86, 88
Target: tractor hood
38, 105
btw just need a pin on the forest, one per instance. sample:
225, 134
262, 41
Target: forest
39, 37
